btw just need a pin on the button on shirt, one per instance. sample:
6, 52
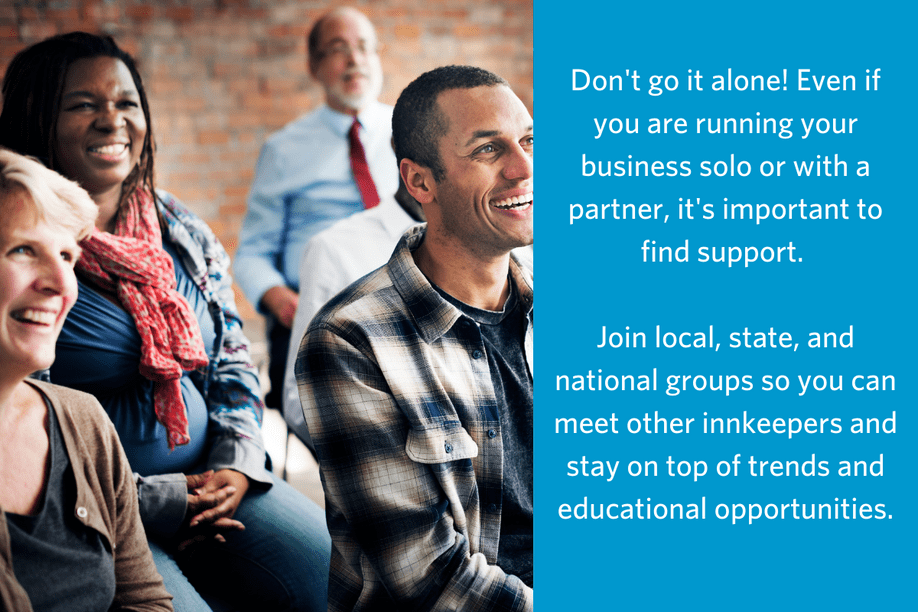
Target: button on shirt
304, 183
400, 413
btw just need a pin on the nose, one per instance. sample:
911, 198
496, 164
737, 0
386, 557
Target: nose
110, 118
356, 55
55, 277
519, 164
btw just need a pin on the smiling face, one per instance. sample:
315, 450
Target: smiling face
484, 201
37, 285
347, 62
101, 125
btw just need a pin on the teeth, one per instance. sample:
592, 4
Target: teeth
520, 202
31, 315
109, 149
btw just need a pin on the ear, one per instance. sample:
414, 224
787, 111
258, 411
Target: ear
418, 181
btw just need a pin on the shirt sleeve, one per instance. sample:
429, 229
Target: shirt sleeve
233, 390
386, 510
262, 235
163, 501
317, 286
138, 586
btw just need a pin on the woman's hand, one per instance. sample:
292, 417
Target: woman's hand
212, 501
218, 495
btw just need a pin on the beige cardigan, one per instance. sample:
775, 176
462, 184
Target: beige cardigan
106, 502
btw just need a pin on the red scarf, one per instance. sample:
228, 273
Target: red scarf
132, 263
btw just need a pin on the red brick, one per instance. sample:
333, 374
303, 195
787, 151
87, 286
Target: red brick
252, 14
283, 31
35, 31
212, 137
179, 13
257, 102
185, 179
234, 209
222, 70
280, 85
407, 31
165, 86
63, 15
237, 120
194, 159
192, 104
139, 12
237, 192
467, 30
246, 137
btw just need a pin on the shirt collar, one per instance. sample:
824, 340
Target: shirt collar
433, 314
340, 123
392, 216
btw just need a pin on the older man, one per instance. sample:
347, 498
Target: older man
324, 166
416, 381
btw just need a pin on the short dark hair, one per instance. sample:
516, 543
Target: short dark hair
417, 121
32, 90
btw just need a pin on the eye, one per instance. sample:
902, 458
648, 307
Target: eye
80, 106
22, 249
128, 104
527, 142
486, 149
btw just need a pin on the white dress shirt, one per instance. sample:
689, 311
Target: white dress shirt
335, 258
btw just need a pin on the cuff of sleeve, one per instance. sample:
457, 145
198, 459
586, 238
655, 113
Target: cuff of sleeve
163, 500
255, 278
242, 455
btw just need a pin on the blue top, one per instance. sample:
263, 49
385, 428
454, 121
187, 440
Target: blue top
229, 384
99, 352
303, 184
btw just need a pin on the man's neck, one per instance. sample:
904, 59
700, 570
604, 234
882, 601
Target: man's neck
346, 110
478, 281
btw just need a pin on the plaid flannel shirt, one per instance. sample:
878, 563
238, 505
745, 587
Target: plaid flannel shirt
398, 397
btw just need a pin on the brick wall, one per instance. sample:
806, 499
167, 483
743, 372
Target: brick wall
222, 75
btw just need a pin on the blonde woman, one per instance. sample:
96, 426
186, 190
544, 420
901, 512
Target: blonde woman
70, 531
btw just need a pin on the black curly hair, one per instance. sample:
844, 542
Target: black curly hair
32, 91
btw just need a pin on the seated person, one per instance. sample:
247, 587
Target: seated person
155, 335
70, 532
334, 259
416, 381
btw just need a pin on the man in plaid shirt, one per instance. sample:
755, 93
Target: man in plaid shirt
416, 381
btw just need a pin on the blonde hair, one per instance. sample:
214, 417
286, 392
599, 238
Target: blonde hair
55, 199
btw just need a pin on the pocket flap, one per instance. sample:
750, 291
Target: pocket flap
439, 445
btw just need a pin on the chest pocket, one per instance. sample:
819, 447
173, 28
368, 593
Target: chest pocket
440, 445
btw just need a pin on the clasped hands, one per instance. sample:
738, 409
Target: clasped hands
213, 498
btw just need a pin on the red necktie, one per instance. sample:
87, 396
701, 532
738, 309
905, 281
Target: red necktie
361, 169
